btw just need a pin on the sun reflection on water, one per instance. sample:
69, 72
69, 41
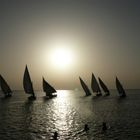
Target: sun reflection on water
64, 118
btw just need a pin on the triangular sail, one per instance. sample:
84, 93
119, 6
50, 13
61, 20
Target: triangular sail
48, 88
85, 87
27, 83
104, 87
4, 86
94, 85
120, 88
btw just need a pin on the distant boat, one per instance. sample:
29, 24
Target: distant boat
5, 87
104, 87
48, 89
27, 84
85, 87
95, 86
120, 88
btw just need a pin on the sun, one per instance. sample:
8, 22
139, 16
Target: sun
61, 57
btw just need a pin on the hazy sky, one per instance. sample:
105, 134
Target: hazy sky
103, 37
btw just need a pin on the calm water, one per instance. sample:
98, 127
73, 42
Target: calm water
67, 114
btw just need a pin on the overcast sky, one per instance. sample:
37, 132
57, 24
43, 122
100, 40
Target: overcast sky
104, 36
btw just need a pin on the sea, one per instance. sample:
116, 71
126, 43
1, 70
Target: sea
67, 114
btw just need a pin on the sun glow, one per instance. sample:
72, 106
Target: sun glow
61, 56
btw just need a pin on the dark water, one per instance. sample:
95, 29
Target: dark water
67, 114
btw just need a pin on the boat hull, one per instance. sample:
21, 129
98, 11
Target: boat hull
107, 94
122, 96
32, 98
8, 95
51, 96
99, 94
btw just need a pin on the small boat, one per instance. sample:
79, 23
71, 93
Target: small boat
5, 87
120, 88
28, 85
104, 87
95, 86
85, 87
48, 89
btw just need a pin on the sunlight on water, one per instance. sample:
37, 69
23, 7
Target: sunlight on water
63, 112
62, 93
67, 114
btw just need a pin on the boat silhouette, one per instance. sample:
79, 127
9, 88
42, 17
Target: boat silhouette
28, 85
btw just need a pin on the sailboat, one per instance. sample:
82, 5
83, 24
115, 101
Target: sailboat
104, 87
85, 87
28, 85
48, 89
95, 86
5, 87
120, 88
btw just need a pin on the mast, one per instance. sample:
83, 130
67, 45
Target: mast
104, 87
120, 88
95, 86
27, 83
85, 87
4, 86
48, 88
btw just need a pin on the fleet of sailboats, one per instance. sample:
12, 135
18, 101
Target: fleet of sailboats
48, 89
5, 87
95, 86
120, 88
28, 85
85, 87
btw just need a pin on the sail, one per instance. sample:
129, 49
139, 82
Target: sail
85, 87
94, 84
48, 88
104, 87
120, 88
4, 86
27, 83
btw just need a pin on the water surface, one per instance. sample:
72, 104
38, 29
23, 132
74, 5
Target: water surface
21, 119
